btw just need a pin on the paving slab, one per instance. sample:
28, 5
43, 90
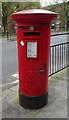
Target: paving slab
57, 100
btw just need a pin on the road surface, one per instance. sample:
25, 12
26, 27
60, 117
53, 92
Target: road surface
59, 39
9, 57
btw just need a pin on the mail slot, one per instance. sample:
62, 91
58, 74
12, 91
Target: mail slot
33, 34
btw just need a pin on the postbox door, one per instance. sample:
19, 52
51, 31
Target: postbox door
33, 62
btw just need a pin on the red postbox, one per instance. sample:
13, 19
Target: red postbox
33, 34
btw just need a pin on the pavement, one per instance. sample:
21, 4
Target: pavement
57, 100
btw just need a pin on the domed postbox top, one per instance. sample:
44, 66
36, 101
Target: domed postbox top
34, 15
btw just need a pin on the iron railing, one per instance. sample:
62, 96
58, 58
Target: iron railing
58, 57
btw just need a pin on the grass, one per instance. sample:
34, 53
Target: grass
60, 31
5, 36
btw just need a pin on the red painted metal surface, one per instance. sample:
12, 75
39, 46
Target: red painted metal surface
33, 72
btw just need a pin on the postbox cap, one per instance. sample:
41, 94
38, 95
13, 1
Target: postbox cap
34, 15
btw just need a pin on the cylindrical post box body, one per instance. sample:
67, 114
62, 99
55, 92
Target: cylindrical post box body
33, 59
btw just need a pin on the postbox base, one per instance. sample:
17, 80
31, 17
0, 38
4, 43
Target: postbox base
33, 102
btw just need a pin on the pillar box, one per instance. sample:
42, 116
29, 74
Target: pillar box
33, 34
